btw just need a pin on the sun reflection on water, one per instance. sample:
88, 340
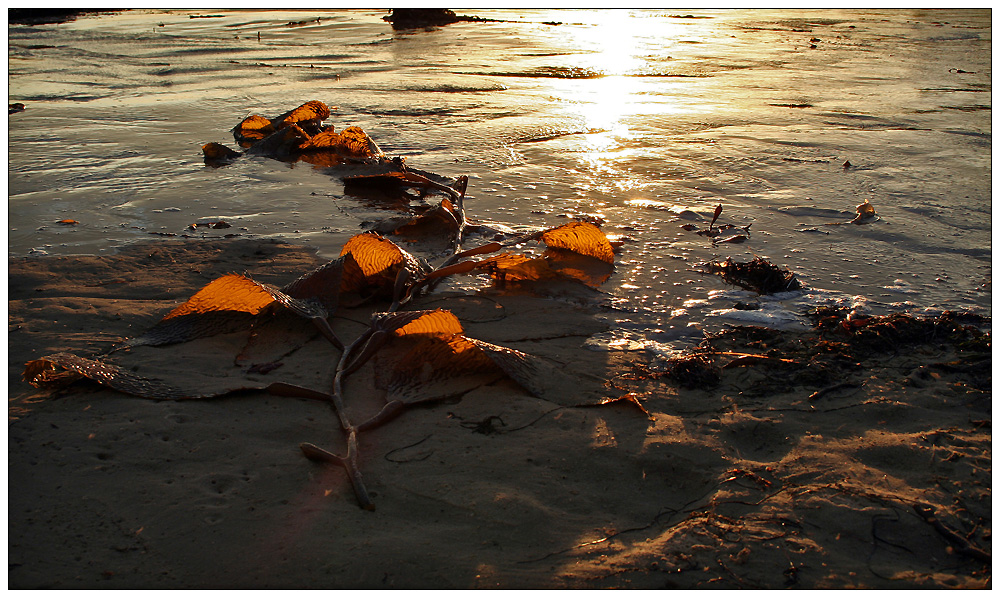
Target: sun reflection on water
615, 109
613, 41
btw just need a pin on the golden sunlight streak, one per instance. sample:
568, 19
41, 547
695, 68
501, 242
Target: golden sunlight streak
614, 55
613, 42
627, 89
620, 46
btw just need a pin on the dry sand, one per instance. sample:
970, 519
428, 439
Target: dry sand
720, 488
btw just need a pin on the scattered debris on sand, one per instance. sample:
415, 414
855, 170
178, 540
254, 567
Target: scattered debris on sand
836, 350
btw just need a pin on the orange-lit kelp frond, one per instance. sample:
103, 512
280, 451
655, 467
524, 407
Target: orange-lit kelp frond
381, 262
312, 111
329, 148
227, 304
232, 292
376, 255
300, 134
327, 139
352, 142
583, 268
509, 267
252, 129
581, 237
439, 321
218, 154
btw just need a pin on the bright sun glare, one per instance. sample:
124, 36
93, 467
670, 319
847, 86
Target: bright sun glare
615, 41
618, 44
604, 103
614, 47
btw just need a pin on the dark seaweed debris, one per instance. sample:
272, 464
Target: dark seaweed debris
694, 371
724, 233
758, 275
888, 333
841, 346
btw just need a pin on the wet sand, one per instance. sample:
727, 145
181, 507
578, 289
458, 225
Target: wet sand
729, 487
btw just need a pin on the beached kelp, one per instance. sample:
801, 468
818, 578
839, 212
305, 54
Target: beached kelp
420, 356
430, 346
298, 134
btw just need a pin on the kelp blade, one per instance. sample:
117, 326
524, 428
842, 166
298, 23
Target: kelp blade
216, 152
105, 374
581, 237
438, 321
584, 268
441, 221
352, 142
39, 373
544, 379
379, 259
515, 267
311, 111
553, 264
325, 283
231, 292
430, 367
227, 304
252, 129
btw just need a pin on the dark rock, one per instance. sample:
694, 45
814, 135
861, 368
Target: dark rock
417, 18
45, 16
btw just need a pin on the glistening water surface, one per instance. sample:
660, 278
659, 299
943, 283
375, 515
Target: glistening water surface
645, 119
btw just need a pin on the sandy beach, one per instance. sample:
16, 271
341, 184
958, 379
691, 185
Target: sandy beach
758, 479
610, 413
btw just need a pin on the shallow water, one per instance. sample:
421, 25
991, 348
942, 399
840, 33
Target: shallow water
645, 119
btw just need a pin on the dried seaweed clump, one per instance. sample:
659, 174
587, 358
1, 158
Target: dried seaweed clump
694, 371
758, 275
842, 346
873, 334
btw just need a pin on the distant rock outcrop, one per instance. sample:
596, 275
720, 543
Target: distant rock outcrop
416, 18
41, 16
